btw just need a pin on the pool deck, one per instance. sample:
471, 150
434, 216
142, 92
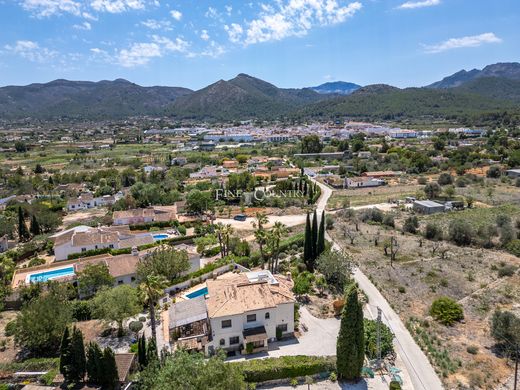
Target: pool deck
21, 274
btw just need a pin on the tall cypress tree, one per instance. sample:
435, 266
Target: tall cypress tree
65, 351
94, 364
307, 245
109, 376
314, 231
23, 233
76, 370
151, 351
350, 348
320, 245
35, 226
311, 194
141, 352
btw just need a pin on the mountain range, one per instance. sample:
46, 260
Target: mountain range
494, 88
510, 71
336, 87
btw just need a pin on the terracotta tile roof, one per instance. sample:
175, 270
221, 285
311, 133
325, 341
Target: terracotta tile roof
124, 362
120, 265
237, 295
134, 213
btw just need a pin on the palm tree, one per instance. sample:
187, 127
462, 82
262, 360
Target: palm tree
260, 234
151, 289
279, 230
227, 233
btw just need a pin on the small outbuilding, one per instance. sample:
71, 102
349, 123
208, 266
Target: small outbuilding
427, 207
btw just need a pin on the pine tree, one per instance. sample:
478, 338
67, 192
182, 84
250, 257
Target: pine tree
65, 351
320, 245
141, 352
350, 348
35, 226
94, 364
109, 376
23, 233
314, 231
76, 370
307, 245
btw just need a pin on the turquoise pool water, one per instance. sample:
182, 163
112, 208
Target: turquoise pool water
158, 237
48, 275
197, 293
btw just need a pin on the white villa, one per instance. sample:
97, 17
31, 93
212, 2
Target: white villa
240, 312
84, 238
88, 201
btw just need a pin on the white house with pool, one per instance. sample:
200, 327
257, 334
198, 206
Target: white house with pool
84, 238
245, 312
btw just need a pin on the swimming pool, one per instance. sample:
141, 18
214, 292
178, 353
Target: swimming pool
158, 237
49, 275
197, 293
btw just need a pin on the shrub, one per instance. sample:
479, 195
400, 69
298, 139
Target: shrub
81, 310
411, 224
333, 377
514, 247
261, 370
294, 382
422, 180
461, 232
10, 328
394, 385
249, 348
446, 311
503, 220
135, 326
279, 334
472, 349
494, 172
433, 232
401, 289
445, 179
388, 220
506, 270
372, 215
387, 338
142, 319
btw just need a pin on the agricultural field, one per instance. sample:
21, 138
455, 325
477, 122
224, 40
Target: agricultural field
479, 279
366, 196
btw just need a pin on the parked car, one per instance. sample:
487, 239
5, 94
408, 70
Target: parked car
240, 217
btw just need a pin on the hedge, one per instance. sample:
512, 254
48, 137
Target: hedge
261, 370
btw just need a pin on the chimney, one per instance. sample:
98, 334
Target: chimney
135, 252
288, 275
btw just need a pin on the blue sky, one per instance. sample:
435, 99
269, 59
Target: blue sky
291, 43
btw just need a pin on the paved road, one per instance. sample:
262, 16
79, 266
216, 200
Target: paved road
421, 372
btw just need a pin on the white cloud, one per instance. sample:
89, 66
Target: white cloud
419, 4
234, 31
31, 51
141, 53
153, 24
176, 14
204, 35
456, 43
229, 9
292, 18
213, 50
83, 26
117, 6
212, 13
45, 8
